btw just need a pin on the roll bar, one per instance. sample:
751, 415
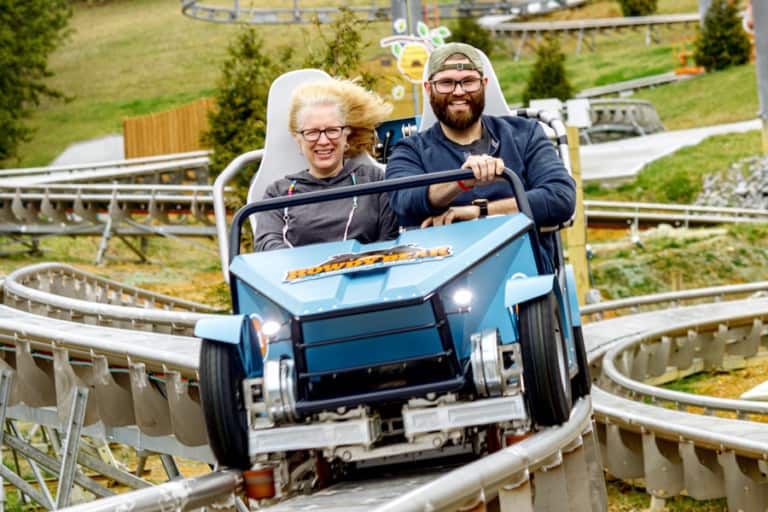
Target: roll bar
376, 187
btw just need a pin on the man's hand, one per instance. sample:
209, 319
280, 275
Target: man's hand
485, 167
454, 213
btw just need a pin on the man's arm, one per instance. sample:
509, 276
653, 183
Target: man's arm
471, 211
551, 191
486, 169
411, 205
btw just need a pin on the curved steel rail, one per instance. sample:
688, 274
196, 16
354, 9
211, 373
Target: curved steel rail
679, 215
597, 23
304, 14
672, 298
627, 424
95, 356
678, 441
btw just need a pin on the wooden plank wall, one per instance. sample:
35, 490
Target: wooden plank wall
173, 131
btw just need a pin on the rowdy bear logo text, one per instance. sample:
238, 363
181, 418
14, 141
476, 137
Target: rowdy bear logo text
370, 260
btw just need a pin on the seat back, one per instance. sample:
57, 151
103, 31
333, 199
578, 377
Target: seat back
495, 104
282, 155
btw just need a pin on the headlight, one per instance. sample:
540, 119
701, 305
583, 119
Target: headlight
462, 297
266, 330
270, 328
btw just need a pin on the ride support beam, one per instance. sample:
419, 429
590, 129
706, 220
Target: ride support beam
760, 23
576, 235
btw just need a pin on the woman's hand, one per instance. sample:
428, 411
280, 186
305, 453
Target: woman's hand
454, 213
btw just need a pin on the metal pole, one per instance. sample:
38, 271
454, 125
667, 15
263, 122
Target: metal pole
175, 495
399, 10
703, 8
415, 15
576, 235
760, 19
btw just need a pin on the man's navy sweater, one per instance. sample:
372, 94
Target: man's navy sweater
523, 146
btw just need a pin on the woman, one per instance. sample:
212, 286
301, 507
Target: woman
332, 121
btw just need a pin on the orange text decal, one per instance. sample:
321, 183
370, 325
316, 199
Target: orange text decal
347, 263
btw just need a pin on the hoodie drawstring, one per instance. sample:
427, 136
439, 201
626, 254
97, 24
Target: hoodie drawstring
286, 218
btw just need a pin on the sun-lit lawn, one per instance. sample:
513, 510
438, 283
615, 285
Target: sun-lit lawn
130, 58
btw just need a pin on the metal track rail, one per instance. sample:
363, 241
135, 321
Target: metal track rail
597, 23
677, 441
646, 214
625, 353
237, 13
171, 172
109, 164
590, 28
166, 195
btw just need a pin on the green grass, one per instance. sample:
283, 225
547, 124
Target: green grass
616, 58
689, 384
133, 57
674, 260
713, 98
631, 497
677, 178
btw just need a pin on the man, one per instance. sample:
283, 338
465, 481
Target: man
464, 138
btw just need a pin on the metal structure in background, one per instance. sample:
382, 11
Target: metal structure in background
375, 11
760, 23
135, 198
585, 30
142, 394
703, 8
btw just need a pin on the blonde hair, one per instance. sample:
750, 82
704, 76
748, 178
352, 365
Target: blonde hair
360, 109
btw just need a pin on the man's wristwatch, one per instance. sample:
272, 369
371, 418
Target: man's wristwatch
483, 205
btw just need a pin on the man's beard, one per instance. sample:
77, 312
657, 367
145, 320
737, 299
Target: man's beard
458, 120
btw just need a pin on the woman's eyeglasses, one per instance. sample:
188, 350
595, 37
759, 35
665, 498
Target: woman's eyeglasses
448, 85
313, 134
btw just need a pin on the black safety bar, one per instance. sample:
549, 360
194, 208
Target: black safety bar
363, 189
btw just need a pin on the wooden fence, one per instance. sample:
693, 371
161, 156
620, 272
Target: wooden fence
173, 131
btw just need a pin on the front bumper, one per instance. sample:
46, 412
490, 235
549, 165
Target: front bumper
364, 432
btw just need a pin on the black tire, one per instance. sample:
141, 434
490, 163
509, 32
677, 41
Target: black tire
221, 394
545, 361
581, 384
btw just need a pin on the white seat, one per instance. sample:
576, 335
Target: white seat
495, 104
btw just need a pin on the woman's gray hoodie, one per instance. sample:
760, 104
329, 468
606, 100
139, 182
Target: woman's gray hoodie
372, 219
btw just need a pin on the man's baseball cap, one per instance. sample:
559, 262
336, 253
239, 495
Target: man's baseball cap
439, 55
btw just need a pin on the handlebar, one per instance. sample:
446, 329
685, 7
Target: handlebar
376, 187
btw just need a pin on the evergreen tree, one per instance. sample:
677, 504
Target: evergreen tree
238, 124
340, 50
638, 7
548, 79
467, 30
29, 31
722, 41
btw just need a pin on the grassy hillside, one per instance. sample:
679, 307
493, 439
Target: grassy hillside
131, 57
